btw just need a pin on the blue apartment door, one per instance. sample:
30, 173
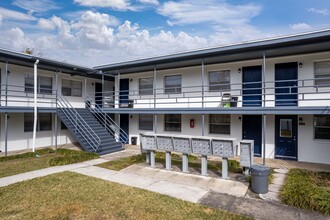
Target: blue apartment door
286, 137
123, 93
252, 130
124, 124
252, 83
98, 94
286, 90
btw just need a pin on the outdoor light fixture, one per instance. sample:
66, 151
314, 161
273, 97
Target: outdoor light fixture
240, 118
239, 70
131, 80
300, 65
8, 72
300, 119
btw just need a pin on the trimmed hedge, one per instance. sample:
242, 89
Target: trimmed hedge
307, 190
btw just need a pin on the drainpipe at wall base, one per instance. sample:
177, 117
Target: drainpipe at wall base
35, 106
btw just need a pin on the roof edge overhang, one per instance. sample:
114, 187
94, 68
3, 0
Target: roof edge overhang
317, 41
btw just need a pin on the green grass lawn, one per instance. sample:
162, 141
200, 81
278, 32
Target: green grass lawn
47, 157
308, 190
233, 166
74, 196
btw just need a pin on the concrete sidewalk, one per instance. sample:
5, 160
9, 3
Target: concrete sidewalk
213, 192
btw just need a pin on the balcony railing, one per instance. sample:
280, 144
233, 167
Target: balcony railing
253, 94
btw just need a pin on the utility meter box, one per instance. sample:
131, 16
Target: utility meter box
224, 147
148, 141
246, 153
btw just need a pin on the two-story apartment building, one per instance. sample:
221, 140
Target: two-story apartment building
274, 91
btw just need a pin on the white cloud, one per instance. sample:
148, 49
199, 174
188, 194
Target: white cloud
300, 26
208, 11
0, 20
15, 15
46, 24
36, 5
114, 4
15, 39
323, 11
152, 2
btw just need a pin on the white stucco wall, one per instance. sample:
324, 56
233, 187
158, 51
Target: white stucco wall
309, 149
16, 81
20, 140
191, 77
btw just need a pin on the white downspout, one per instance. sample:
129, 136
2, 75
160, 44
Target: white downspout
35, 105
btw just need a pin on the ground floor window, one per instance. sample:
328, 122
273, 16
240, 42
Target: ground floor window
219, 124
173, 122
322, 127
146, 122
44, 122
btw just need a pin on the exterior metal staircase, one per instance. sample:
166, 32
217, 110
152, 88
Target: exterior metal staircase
88, 129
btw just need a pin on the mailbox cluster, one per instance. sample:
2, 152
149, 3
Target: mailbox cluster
204, 146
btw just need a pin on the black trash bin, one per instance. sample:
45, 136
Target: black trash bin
259, 178
133, 140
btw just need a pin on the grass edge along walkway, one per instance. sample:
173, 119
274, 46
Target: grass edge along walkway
70, 195
42, 158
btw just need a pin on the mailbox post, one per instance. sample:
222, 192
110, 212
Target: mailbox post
202, 146
246, 155
148, 143
165, 143
182, 145
224, 148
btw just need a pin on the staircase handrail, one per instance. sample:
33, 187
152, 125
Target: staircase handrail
110, 125
79, 123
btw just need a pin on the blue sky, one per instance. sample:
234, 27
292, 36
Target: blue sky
93, 32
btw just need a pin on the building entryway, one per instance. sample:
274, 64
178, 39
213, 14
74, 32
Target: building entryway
252, 130
123, 93
124, 124
286, 138
98, 94
252, 86
286, 90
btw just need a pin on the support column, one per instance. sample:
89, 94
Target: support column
155, 86
152, 158
264, 140
118, 81
6, 114
203, 124
264, 116
185, 163
56, 116
102, 90
6, 134
224, 168
168, 160
35, 105
204, 165
203, 75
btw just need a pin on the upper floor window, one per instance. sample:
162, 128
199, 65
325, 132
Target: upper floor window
71, 88
219, 80
173, 84
146, 122
322, 73
44, 122
322, 127
219, 124
173, 122
146, 86
44, 84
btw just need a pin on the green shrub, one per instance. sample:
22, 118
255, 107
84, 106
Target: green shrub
301, 190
